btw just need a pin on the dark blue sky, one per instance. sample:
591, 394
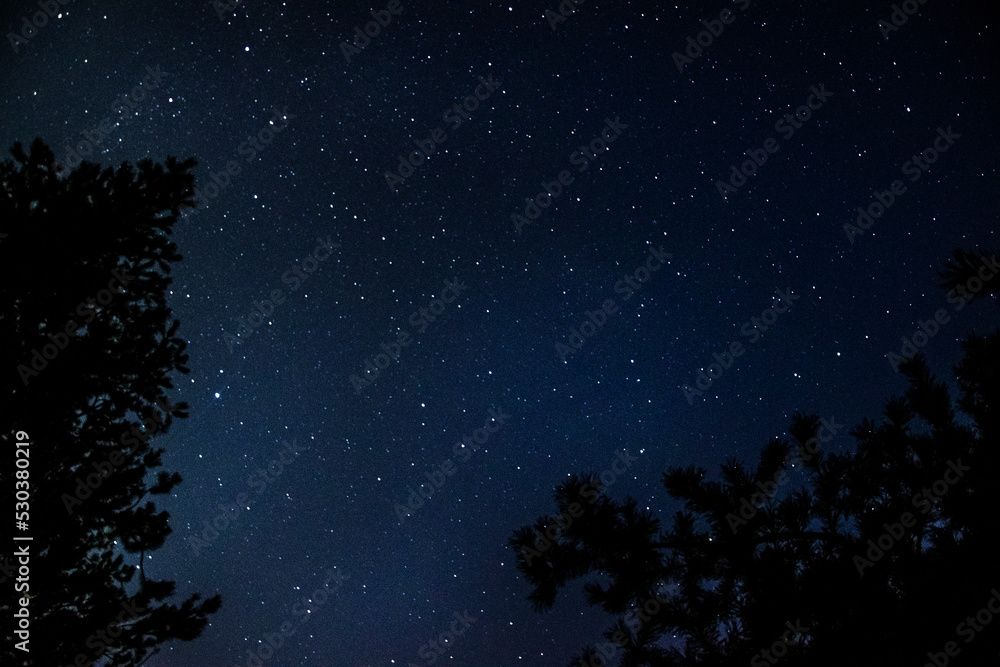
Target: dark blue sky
308, 129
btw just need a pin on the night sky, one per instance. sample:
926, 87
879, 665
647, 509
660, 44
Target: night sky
485, 309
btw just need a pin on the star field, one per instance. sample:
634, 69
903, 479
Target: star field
327, 527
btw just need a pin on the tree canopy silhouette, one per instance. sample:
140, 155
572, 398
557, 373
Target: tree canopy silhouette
967, 265
881, 555
91, 345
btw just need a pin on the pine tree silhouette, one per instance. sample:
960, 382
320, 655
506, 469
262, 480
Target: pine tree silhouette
966, 265
90, 345
873, 557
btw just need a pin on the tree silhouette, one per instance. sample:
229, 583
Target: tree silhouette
881, 555
968, 265
91, 343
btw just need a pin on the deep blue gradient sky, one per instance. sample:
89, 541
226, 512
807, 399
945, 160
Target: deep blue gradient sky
494, 346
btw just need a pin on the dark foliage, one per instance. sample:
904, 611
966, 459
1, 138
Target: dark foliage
86, 378
746, 558
965, 266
